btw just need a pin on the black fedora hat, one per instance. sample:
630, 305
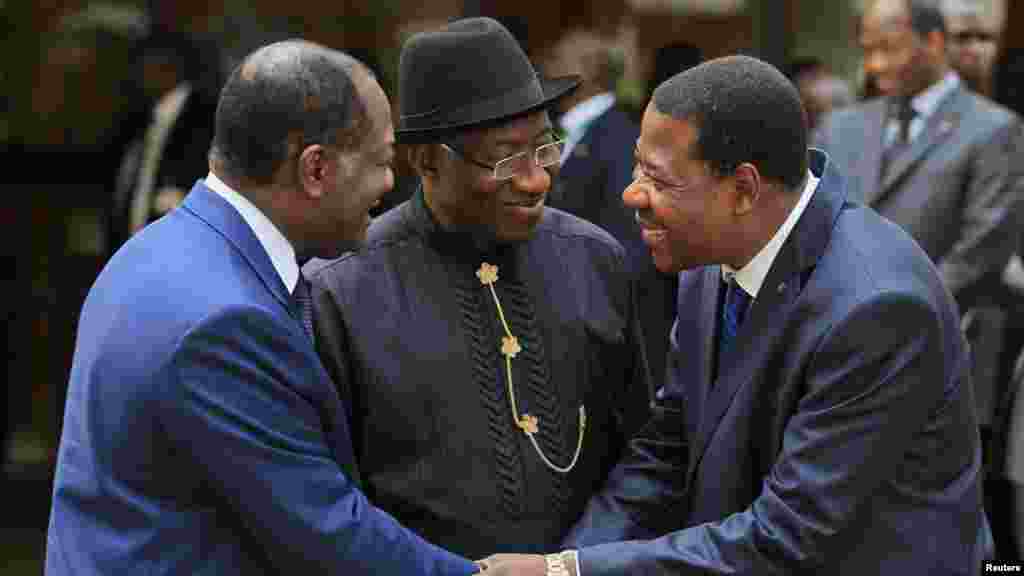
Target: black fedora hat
468, 73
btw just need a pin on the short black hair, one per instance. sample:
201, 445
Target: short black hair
279, 90
926, 16
744, 110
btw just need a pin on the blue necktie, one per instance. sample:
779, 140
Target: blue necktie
734, 308
304, 303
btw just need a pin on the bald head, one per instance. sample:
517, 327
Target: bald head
281, 98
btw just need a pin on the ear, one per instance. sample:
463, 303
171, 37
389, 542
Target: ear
748, 188
315, 169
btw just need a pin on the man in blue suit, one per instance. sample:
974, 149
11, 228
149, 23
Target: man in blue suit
202, 435
818, 416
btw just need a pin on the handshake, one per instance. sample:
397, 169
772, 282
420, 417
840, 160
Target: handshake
562, 564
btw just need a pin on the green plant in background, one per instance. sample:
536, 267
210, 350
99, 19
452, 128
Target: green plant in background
630, 93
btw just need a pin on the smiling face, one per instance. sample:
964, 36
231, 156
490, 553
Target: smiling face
365, 172
466, 196
684, 211
353, 177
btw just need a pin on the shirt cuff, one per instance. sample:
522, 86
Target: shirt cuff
575, 561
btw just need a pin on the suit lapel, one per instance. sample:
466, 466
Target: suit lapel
869, 160
940, 126
209, 207
767, 317
708, 292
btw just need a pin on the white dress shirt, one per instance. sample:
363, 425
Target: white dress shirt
576, 121
278, 248
752, 276
924, 105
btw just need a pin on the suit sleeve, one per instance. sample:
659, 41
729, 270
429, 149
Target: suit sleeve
643, 496
247, 409
990, 221
869, 391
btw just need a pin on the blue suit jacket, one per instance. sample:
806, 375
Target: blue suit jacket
201, 433
840, 437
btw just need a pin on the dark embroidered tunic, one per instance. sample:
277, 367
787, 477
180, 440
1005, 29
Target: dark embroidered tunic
412, 338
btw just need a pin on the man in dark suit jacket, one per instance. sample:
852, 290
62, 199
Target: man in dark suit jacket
596, 166
945, 173
818, 416
202, 435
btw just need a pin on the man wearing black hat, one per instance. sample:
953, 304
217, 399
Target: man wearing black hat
488, 344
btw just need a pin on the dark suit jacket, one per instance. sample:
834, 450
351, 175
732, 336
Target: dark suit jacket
202, 435
955, 190
590, 185
838, 439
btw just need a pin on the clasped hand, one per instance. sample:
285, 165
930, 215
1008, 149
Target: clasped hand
512, 565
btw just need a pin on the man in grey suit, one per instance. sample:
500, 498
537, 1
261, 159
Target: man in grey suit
817, 416
937, 159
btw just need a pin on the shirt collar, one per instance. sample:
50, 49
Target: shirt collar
278, 248
582, 114
753, 275
925, 103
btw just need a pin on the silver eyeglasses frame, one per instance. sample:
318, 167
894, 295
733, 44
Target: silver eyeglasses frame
508, 168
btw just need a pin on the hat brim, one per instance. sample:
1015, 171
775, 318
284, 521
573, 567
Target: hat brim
554, 89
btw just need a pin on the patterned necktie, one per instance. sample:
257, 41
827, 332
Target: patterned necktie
734, 308
304, 303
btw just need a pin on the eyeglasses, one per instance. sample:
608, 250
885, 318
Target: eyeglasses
543, 156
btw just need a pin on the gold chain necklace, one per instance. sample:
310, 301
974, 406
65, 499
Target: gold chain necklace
529, 424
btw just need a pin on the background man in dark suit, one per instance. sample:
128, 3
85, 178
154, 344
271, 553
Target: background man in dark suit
818, 416
596, 166
202, 435
942, 162
931, 155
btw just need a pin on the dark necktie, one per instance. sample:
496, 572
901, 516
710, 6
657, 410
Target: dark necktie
304, 304
734, 308
904, 114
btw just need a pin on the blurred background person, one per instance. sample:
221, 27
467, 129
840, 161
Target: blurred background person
937, 159
820, 90
161, 165
822, 94
669, 60
973, 40
596, 166
1007, 452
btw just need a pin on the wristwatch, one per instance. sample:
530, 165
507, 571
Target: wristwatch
556, 564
